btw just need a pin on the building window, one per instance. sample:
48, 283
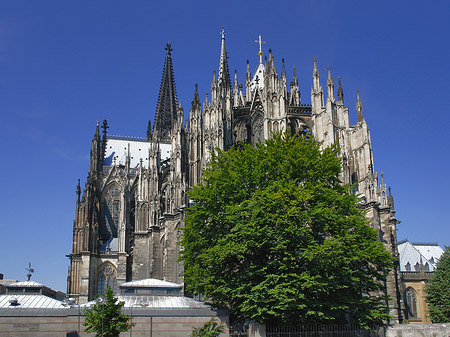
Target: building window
111, 209
411, 303
106, 277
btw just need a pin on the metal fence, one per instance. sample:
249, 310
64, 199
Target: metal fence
322, 331
239, 330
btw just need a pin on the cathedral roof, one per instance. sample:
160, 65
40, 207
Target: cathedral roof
411, 256
116, 150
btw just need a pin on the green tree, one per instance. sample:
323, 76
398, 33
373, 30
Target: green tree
275, 236
212, 328
438, 290
106, 318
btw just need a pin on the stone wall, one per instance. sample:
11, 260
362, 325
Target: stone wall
67, 322
423, 330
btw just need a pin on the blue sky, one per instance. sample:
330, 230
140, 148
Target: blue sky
65, 64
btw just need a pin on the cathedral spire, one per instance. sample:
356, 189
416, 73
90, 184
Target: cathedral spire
359, 108
166, 110
224, 73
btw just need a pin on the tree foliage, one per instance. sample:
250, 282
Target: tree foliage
211, 328
275, 236
106, 319
438, 290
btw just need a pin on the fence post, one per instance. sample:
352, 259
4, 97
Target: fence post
256, 329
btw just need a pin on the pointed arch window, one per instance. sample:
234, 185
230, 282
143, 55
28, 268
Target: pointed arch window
110, 213
411, 303
106, 277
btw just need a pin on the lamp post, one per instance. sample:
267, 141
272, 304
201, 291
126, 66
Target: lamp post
142, 305
101, 301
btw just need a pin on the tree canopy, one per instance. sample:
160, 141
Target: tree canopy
274, 236
438, 290
105, 318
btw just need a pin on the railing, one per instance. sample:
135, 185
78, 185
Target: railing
416, 275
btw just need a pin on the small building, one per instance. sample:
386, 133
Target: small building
156, 307
417, 264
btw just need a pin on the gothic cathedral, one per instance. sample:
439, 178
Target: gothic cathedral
129, 215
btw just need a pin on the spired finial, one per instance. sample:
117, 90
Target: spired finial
168, 48
222, 33
315, 71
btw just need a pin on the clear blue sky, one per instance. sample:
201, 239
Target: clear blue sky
65, 64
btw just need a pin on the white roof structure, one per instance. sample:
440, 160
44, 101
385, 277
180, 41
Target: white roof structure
162, 302
411, 256
116, 151
150, 283
29, 302
26, 284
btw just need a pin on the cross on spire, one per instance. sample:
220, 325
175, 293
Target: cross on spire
260, 48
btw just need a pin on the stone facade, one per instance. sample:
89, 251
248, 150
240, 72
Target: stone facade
130, 214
